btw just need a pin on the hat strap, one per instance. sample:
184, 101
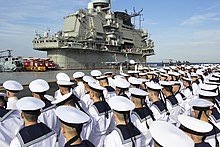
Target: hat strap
72, 140
165, 103
106, 111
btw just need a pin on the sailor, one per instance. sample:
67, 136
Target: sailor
86, 98
122, 87
195, 83
125, 134
34, 134
179, 96
187, 91
170, 101
72, 121
10, 122
71, 99
39, 87
211, 96
80, 88
202, 109
153, 76
110, 79
101, 114
157, 106
141, 116
12, 89
196, 129
168, 135
109, 91
63, 89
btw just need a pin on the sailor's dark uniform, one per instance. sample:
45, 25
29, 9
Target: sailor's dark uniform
101, 124
84, 143
123, 135
142, 118
202, 144
159, 110
210, 137
10, 124
34, 136
215, 117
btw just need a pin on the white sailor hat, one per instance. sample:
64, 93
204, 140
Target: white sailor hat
207, 94
30, 104
12, 85
213, 79
196, 66
181, 72
152, 73
217, 75
101, 77
142, 74
62, 98
166, 68
168, 135
64, 83
166, 83
212, 83
62, 76
162, 70
118, 76
108, 73
71, 115
208, 87
187, 79
95, 86
193, 125
134, 81
49, 97
138, 93
39, 85
121, 104
164, 75
176, 74
188, 67
143, 80
173, 67
153, 86
200, 103
121, 83
133, 72
95, 73
176, 82
194, 74
124, 74
78, 74
88, 79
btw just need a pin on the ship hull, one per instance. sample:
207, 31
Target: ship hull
90, 59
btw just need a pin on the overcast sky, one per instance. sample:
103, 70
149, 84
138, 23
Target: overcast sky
182, 29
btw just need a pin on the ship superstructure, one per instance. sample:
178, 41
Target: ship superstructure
96, 35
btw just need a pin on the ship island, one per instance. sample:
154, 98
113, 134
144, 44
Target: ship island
95, 38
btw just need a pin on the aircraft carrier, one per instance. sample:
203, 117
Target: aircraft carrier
96, 35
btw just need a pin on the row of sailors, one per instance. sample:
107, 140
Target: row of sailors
114, 119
